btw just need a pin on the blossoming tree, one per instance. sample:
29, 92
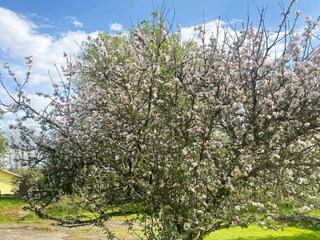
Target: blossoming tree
203, 137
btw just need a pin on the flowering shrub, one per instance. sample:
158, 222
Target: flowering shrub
203, 136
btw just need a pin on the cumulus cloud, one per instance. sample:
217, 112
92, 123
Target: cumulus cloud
211, 29
217, 27
19, 38
116, 27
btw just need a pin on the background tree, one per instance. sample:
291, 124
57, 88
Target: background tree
202, 137
3, 150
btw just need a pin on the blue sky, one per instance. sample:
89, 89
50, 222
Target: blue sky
46, 28
95, 15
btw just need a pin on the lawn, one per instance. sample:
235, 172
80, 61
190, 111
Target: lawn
256, 233
11, 212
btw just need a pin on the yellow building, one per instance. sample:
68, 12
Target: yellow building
7, 181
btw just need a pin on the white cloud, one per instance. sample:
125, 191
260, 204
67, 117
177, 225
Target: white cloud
19, 38
116, 27
220, 28
235, 21
75, 22
211, 28
40, 21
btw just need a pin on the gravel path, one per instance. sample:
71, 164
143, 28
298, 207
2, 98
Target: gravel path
43, 231
27, 232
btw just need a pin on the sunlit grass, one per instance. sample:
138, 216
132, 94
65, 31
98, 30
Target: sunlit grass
11, 211
257, 233
9, 201
315, 213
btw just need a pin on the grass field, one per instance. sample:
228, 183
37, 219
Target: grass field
256, 233
11, 212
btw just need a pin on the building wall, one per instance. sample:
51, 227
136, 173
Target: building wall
6, 182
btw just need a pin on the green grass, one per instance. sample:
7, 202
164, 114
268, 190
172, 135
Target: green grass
9, 201
11, 212
315, 213
257, 233
66, 208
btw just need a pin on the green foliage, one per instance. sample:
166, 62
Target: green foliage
3, 148
155, 14
3, 145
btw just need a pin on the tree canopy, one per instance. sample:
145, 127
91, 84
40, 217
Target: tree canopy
201, 136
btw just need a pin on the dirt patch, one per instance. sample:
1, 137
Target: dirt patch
11, 212
29, 232
47, 231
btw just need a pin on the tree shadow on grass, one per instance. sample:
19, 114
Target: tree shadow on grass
315, 229
305, 226
308, 236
